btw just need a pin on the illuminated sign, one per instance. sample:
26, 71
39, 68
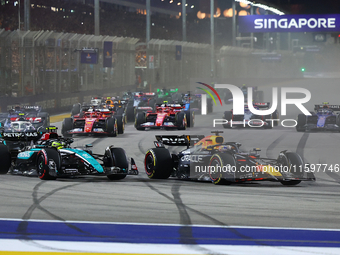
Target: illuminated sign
289, 23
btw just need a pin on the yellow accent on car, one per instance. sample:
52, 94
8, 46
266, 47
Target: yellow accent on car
271, 170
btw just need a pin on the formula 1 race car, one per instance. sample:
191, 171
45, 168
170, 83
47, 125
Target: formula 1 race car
117, 107
30, 113
193, 102
210, 158
324, 118
249, 119
139, 99
95, 121
165, 116
50, 156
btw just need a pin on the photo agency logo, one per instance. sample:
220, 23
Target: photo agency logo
239, 106
204, 97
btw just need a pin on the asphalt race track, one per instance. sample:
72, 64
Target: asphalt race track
137, 199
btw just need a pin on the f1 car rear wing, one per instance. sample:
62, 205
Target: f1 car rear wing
144, 108
177, 140
333, 107
28, 108
171, 105
20, 136
262, 105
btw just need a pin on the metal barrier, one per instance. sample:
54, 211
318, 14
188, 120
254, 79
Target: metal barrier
36, 66
40, 62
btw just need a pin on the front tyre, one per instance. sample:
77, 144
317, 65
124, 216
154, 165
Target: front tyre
158, 163
117, 158
66, 126
301, 122
48, 164
5, 159
295, 165
140, 119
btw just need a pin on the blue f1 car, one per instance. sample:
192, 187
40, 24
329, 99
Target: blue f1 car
50, 156
324, 118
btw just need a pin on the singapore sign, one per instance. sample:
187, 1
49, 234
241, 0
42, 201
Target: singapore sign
289, 23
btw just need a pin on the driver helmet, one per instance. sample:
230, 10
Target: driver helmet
58, 144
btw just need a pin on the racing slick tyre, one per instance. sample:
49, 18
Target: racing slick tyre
121, 111
130, 112
267, 117
181, 121
228, 115
295, 166
67, 125
5, 159
112, 127
118, 158
190, 116
140, 119
158, 163
75, 109
222, 160
46, 118
301, 122
48, 158
120, 124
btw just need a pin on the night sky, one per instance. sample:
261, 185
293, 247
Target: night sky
307, 6
287, 6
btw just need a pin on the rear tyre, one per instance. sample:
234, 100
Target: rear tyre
118, 158
190, 116
5, 159
228, 115
112, 127
140, 119
181, 121
75, 109
301, 122
66, 126
48, 164
120, 124
222, 160
130, 112
158, 163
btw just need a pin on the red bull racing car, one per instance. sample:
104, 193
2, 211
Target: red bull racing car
211, 158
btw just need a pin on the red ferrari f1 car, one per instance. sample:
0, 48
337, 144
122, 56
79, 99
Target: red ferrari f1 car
165, 116
94, 121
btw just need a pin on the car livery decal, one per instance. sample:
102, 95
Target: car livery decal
84, 155
321, 121
25, 154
